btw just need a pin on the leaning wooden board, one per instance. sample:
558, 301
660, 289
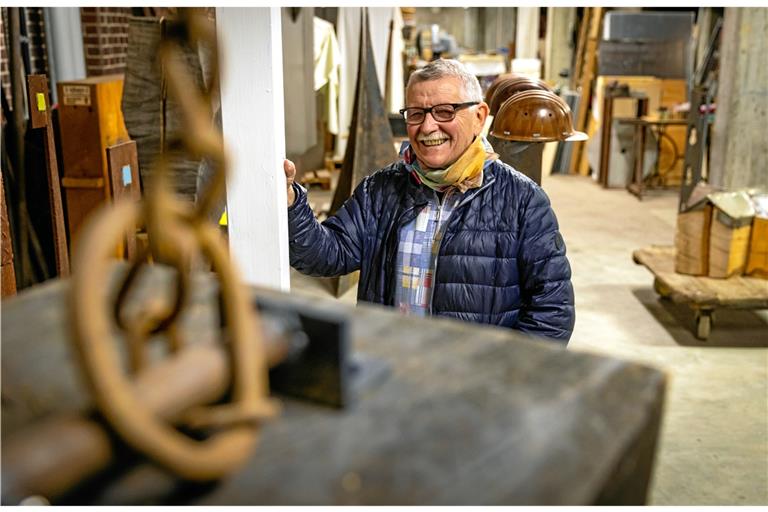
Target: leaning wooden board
465, 414
703, 294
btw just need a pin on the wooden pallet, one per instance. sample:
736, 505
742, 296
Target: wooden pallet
320, 177
702, 294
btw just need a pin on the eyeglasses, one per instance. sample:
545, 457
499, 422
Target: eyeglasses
442, 113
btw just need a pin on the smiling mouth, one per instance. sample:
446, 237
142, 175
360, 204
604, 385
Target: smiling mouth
433, 142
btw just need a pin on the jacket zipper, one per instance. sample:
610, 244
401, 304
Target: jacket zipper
440, 242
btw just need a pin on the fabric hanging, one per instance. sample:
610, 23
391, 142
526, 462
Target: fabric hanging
327, 71
298, 75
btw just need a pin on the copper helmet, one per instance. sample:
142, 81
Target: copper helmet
535, 116
496, 83
512, 86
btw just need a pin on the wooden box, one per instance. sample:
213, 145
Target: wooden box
91, 119
757, 260
692, 241
728, 245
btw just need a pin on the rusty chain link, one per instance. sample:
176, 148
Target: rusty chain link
177, 233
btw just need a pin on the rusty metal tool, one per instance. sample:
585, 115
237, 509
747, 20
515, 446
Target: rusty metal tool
177, 235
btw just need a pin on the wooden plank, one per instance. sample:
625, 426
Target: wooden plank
741, 292
459, 405
37, 87
581, 46
40, 117
124, 181
7, 272
68, 182
586, 77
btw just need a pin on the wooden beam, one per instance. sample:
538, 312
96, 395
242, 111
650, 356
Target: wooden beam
250, 52
586, 76
40, 118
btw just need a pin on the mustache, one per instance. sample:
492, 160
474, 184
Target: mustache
433, 136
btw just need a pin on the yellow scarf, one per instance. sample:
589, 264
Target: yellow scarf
464, 173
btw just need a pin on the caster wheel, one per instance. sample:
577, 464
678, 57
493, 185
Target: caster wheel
703, 325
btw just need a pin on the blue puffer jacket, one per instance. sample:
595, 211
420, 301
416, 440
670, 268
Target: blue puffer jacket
502, 259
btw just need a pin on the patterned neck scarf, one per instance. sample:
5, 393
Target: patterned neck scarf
464, 174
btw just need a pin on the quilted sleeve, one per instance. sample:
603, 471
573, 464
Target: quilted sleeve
334, 247
545, 274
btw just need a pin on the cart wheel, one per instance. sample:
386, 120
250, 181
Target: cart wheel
703, 324
660, 288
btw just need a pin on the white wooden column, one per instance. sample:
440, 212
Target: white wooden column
250, 50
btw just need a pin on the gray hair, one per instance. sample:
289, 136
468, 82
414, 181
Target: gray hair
442, 68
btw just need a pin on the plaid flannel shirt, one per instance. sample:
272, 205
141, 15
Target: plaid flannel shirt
417, 254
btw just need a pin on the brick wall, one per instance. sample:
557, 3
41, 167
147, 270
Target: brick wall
38, 53
105, 39
34, 28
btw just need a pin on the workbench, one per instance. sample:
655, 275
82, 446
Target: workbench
637, 186
463, 414
703, 294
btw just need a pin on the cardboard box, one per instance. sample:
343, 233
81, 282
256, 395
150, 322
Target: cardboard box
757, 260
692, 241
692, 233
729, 234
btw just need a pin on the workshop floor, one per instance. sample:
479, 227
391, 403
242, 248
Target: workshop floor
713, 448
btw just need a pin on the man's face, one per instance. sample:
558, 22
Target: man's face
439, 144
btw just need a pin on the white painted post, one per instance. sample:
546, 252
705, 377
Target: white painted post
250, 52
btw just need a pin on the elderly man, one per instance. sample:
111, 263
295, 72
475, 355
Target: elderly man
449, 230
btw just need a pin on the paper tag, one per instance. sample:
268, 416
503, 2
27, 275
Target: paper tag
40, 102
127, 179
77, 95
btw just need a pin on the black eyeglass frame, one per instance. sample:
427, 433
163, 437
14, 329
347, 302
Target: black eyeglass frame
456, 108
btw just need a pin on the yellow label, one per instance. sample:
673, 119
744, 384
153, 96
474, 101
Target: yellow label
40, 102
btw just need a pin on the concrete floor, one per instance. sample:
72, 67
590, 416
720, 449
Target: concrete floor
713, 448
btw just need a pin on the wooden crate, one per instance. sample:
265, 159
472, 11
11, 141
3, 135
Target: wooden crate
91, 120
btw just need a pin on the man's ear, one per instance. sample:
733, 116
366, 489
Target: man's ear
482, 112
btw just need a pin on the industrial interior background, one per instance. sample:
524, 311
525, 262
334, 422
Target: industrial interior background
664, 209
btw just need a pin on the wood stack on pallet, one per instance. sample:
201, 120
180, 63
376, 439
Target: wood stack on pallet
319, 177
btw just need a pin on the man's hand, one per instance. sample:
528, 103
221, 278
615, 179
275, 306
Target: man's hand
290, 174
